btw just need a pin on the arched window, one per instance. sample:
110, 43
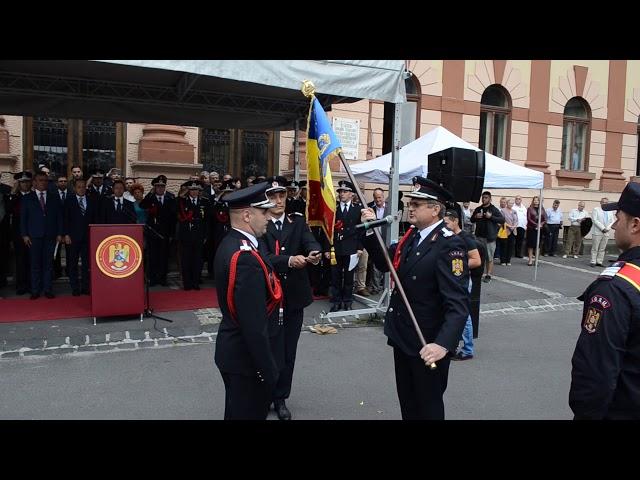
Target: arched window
575, 135
495, 121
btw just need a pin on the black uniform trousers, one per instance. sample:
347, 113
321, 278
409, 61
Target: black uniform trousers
551, 241
420, 389
246, 398
520, 242
342, 280
191, 260
41, 256
78, 250
58, 271
292, 327
158, 258
23, 265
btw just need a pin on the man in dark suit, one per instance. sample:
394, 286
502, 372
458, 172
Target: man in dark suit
21, 188
41, 228
115, 209
250, 294
294, 202
193, 219
347, 241
290, 247
431, 263
79, 212
162, 212
62, 192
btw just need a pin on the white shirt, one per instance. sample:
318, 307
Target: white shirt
61, 192
554, 217
380, 211
467, 213
424, 233
38, 192
281, 218
343, 205
576, 215
253, 239
84, 200
522, 215
115, 202
160, 198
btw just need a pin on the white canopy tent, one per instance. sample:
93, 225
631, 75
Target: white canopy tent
413, 161
499, 173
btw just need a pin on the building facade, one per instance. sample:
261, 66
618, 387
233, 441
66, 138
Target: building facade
575, 121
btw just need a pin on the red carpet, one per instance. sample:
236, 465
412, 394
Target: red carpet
63, 307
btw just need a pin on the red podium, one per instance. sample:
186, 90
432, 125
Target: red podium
117, 274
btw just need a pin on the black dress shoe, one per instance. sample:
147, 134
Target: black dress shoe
75, 293
347, 306
335, 307
197, 287
20, 292
85, 291
281, 410
49, 295
34, 296
186, 289
164, 284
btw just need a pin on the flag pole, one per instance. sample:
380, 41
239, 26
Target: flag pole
308, 89
385, 252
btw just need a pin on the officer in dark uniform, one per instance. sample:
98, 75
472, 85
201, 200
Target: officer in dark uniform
605, 378
98, 189
346, 241
193, 219
218, 224
290, 247
162, 208
5, 232
294, 202
23, 262
431, 263
249, 293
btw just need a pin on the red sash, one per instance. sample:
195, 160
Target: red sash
398, 253
274, 289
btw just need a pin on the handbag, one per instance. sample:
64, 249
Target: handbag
503, 232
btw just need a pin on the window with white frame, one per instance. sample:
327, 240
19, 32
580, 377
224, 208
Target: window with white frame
495, 121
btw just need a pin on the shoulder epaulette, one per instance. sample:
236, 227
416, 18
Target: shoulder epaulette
630, 273
611, 270
245, 246
446, 232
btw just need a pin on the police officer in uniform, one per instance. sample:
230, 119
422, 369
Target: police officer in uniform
218, 224
346, 241
23, 262
161, 210
431, 263
249, 293
605, 378
193, 219
294, 202
290, 247
5, 232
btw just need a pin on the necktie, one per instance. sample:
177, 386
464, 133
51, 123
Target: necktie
344, 208
63, 196
83, 209
42, 204
160, 200
193, 201
119, 207
279, 225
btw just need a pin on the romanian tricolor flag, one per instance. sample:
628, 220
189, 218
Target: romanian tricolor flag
322, 145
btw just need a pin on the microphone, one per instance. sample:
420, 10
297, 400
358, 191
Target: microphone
376, 223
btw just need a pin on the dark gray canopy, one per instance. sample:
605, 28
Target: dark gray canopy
250, 94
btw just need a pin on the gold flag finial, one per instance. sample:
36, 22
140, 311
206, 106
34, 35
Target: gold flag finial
308, 88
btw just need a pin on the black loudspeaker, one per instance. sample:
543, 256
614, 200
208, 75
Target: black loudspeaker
459, 170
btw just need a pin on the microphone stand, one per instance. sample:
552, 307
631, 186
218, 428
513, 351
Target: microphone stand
148, 311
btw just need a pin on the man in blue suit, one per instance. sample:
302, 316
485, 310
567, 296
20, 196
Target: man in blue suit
79, 212
41, 227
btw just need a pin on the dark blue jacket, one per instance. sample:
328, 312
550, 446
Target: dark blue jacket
38, 224
76, 225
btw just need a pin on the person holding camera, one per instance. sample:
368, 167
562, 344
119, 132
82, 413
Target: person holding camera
488, 220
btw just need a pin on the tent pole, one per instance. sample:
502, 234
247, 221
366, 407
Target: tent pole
296, 152
535, 272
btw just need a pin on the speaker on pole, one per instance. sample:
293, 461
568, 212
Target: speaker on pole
459, 170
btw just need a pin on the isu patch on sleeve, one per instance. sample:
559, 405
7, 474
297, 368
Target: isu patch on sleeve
592, 319
456, 253
457, 267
